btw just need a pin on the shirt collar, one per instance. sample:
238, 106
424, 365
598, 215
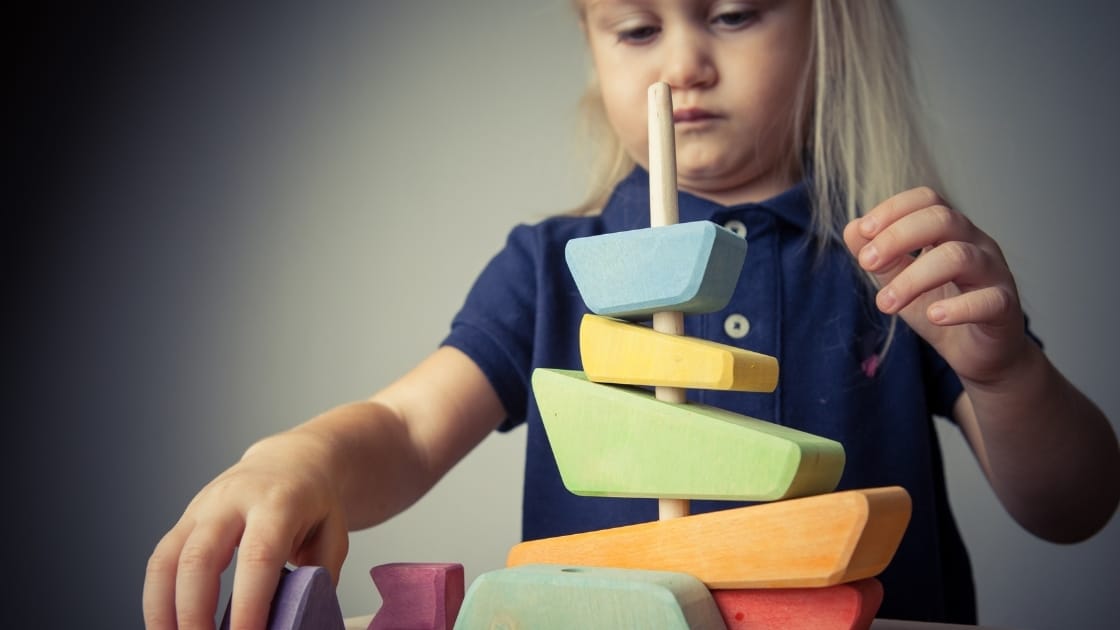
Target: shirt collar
628, 208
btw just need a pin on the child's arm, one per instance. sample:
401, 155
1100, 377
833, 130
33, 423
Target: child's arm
293, 496
1049, 453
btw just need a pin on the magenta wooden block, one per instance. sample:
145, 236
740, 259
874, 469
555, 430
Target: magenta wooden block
304, 600
417, 595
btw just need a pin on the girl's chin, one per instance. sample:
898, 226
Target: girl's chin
730, 189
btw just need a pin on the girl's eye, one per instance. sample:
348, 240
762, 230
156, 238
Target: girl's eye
735, 19
638, 34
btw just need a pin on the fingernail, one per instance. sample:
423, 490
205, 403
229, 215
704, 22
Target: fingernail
887, 299
937, 313
869, 256
867, 225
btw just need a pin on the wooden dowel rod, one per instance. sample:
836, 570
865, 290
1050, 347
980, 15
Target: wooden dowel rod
663, 210
662, 157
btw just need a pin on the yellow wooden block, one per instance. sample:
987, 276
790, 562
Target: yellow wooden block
815, 541
614, 351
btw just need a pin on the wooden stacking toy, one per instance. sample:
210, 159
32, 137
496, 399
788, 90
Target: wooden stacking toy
811, 556
807, 559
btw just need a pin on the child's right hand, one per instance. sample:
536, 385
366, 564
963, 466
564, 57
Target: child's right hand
276, 504
294, 496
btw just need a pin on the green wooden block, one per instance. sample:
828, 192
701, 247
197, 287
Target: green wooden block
560, 597
622, 442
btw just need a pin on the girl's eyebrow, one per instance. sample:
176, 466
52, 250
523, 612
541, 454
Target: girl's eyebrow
601, 8
598, 4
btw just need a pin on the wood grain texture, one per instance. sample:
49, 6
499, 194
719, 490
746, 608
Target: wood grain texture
663, 210
850, 606
810, 542
620, 352
619, 441
564, 597
305, 600
418, 595
688, 267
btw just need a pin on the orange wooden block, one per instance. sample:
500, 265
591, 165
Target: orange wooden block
850, 606
814, 541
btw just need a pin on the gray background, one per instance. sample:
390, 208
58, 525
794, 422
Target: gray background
222, 221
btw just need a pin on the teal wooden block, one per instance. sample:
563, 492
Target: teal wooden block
622, 442
560, 597
689, 267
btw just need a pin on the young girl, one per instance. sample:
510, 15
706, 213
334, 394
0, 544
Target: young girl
883, 304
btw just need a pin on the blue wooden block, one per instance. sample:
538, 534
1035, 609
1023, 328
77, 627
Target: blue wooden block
688, 267
561, 597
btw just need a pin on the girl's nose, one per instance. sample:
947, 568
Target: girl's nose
688, 62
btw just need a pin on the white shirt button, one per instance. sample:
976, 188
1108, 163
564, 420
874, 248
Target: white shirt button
737, 226
736, 326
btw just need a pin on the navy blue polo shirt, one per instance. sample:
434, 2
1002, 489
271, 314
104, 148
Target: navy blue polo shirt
810, 311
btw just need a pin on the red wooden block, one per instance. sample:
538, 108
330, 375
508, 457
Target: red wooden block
417, 595
850, 606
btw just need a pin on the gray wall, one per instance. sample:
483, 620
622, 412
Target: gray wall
225, 221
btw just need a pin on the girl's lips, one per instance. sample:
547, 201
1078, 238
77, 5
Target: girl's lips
692, 115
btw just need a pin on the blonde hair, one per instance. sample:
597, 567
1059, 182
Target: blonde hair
865, 142
856, 126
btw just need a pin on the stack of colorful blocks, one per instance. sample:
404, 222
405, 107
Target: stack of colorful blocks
803, 562
804, 559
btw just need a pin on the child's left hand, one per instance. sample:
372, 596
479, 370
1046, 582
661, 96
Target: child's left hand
957, 293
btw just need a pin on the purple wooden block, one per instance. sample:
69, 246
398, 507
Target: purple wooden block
304, 600
417, 595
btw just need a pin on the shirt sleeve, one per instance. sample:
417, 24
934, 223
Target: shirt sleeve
496, 324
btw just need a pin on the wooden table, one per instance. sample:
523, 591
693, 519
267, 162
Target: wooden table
360, 623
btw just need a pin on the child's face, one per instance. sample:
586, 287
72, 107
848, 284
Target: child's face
734, 67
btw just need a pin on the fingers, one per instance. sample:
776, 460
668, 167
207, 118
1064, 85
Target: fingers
275, 531
327, 546
960, 275
860, 232
970, 279
183, 578
206, 552
260, 558
990, 305
890, 244
897, 207
159, 581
